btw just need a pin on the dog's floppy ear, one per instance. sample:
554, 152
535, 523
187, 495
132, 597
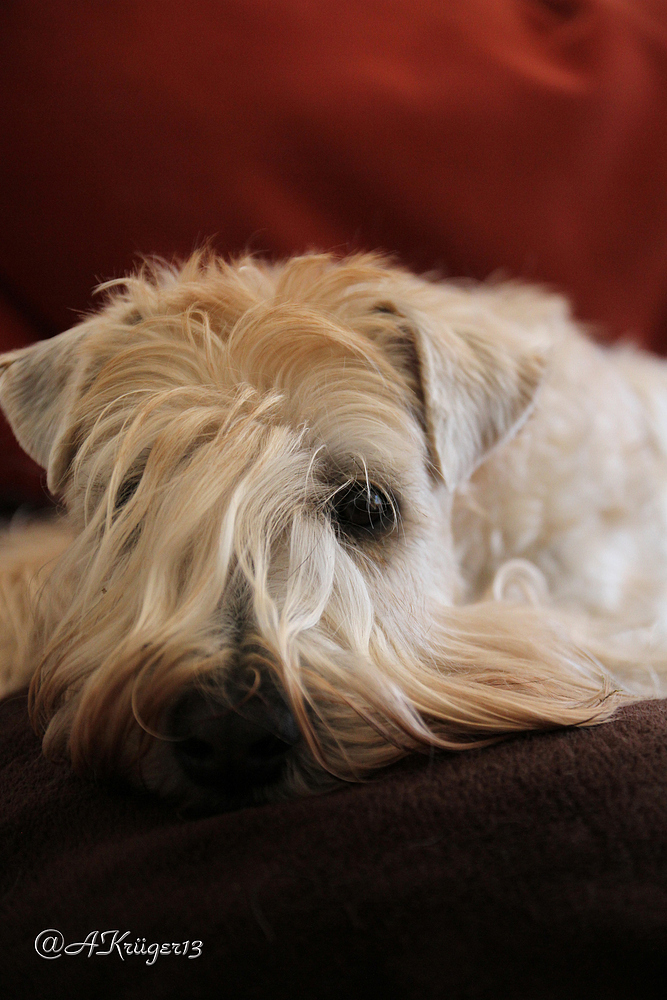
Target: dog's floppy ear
478, 369
37, 390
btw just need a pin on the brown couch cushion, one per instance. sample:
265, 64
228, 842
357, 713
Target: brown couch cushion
533, 869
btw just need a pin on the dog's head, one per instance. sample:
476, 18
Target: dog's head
259, 462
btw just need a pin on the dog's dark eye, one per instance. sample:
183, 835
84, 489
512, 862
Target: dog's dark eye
361, 507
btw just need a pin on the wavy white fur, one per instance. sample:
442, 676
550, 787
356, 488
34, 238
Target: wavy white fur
198, 429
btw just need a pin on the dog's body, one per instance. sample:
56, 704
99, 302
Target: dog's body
324, 513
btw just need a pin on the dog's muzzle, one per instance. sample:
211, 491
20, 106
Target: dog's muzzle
233, 749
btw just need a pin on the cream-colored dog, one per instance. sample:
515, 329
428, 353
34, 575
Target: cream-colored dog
321, 514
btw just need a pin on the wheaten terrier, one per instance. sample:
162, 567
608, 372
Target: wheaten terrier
321, 514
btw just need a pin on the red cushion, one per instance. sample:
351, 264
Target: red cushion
470, 136
21, 480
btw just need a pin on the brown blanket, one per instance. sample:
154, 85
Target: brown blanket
533, 869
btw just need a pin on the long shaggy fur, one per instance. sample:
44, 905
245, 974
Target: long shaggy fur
198, 430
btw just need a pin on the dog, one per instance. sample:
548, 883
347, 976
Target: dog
320, 514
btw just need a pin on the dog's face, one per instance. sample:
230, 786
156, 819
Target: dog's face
259, 464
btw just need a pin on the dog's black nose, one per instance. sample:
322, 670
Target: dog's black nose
233, 749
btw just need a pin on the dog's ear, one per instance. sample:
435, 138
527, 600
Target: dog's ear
37, 391
477, 369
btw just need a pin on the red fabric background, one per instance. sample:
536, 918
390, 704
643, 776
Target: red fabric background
469, 136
